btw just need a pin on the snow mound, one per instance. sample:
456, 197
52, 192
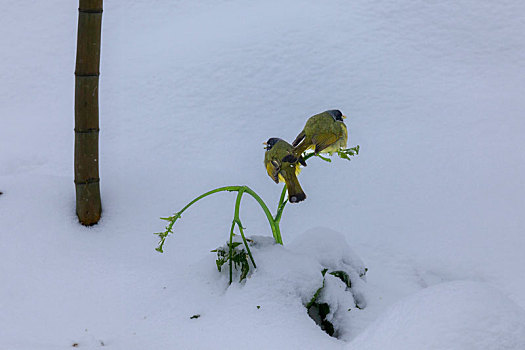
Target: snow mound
317, 271
454, 315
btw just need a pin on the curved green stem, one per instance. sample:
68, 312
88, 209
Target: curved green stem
308, 155
237, 220
281, 199
172, 219
274, 225
220, 189
280, 206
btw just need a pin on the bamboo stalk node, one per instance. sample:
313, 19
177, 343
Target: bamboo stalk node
90, 10
87, 131
80, 75
87, 182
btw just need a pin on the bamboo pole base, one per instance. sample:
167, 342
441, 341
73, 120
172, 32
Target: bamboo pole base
89, 208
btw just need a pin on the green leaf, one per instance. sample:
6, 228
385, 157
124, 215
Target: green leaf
235, 244
317, 292
245, 268
314, 298
346, 153
220, 262
239, 258
343, 276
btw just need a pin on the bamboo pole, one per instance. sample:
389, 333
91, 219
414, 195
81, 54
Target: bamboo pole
87, 181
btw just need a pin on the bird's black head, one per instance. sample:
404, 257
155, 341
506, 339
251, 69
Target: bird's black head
271, 141
336, 114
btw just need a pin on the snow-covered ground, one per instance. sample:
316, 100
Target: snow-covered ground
433, 205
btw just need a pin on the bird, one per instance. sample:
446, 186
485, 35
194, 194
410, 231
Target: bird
324, 132
283, 166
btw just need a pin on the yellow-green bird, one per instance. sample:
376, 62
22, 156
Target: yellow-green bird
324, 132
283, 166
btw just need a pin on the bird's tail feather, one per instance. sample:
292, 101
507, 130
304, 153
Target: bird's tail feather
295, 192
303, 146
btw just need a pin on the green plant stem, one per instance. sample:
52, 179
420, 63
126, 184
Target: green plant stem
324, 158
220, 189
273, 225
281, 199
230, 252
306, 156
237, 219
280, 206
173, 219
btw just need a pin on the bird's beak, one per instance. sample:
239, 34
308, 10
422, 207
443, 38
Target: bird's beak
344, 116
265, 143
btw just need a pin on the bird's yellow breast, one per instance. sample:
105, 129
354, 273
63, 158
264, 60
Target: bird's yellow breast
341, 141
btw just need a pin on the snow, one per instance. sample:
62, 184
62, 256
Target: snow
432, 206
452, 315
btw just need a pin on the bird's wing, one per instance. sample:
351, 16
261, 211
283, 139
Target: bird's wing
273, 167
298, 139
321, 141
302, 161
289, 158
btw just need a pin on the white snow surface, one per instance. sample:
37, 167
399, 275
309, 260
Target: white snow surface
452, 315
433, 205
